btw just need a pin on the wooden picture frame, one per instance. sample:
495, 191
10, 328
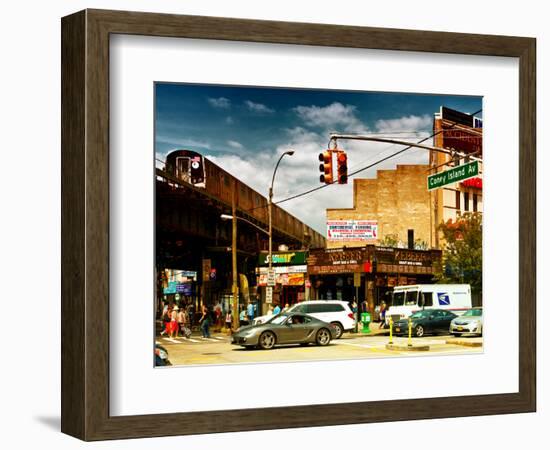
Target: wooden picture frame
85, 224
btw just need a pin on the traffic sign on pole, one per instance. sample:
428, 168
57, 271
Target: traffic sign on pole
269, 294
271, 277
453, 175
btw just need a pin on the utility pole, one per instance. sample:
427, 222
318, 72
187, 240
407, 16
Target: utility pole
269, 288
233, 217
235, 286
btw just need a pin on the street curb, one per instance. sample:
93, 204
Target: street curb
465, 343
408, 348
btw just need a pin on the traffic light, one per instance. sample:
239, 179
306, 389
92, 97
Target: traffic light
342, 161
326, 167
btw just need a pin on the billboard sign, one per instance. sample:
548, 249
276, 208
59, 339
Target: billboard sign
352, 230
283, 258
184, 288
171, 288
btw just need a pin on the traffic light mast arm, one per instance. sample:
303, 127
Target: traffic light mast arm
335, 136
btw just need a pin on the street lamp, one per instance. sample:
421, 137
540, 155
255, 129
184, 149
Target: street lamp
269, 204
230, 217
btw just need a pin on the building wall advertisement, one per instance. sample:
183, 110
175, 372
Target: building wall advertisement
352, 230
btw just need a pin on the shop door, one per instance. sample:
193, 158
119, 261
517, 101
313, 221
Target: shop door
289, 296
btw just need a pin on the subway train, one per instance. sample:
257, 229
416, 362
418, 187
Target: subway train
193, 168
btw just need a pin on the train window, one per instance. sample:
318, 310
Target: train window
225, 179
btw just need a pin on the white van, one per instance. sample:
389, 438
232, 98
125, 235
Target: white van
409, 299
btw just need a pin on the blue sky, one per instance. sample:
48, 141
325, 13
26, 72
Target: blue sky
245, 129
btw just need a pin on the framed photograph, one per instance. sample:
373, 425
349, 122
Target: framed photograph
292, 225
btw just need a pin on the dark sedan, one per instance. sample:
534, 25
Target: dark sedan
426, 321
289, 328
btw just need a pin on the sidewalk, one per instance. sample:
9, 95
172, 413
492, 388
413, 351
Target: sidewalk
374, 331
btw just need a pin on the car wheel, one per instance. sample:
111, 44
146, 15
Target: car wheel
323, 337
419, 331
339, 329
267, 340
455, 334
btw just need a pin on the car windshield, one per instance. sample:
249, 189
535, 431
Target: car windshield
398, 298
472, 313
419, 314
411, 298
278, 319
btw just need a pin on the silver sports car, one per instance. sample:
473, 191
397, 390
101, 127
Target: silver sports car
285, 328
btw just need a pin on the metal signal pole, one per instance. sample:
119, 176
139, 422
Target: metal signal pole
358, 137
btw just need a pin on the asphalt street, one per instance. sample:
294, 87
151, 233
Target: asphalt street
218, 349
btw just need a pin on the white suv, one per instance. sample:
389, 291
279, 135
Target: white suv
335, 312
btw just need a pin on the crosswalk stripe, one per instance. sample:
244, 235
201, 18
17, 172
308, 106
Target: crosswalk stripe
181, 339
361, 345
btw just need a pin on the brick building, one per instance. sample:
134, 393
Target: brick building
390, 237
461, 132
398, 204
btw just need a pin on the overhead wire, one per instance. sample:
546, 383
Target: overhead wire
368, 166
362, 169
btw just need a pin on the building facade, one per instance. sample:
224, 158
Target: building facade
454, 130
396, 204
368, 274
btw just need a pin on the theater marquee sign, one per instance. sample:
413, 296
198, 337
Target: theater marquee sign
400, 260
336, 261
369, 258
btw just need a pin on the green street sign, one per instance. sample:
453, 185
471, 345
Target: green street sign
453, 175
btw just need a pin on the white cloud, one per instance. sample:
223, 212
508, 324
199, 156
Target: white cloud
406, 123
300, 172
160, 159
187, 143
229, 120
235, 144
258, 107
220, 102
334, 117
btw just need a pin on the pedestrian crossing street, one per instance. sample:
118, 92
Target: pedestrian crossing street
192, 340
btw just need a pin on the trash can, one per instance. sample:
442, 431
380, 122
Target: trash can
365, 320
